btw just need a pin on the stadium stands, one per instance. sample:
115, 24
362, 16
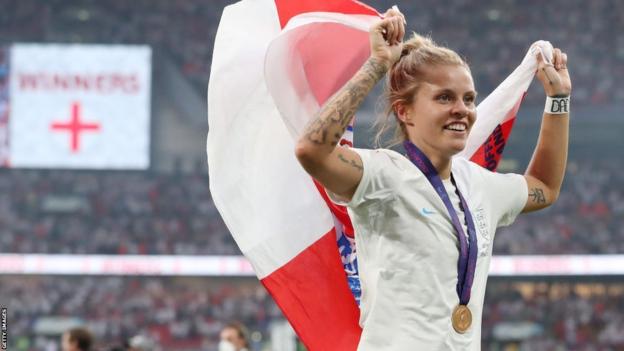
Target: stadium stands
178, 313
147, 213
188, 313
587, 218
553, 315
109, 213
493, 36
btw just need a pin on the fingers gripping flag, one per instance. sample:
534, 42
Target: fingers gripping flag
275, 63
497, 112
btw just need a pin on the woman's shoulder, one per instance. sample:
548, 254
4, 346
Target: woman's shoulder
469, 172
475, 173
383, 158
468, 167
462, 162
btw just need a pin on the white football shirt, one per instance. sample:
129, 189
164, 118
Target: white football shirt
408, 250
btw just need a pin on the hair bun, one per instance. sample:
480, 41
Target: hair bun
416, 42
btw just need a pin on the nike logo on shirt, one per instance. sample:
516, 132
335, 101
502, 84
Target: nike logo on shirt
426, 212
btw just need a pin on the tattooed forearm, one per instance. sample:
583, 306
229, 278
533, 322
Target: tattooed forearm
537, 196
333, 118
352, 163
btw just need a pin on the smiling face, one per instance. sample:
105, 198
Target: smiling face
442, 111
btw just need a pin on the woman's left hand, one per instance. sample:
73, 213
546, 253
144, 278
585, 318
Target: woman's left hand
554, 76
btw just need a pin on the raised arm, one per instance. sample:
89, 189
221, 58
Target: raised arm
545, 172
338, 168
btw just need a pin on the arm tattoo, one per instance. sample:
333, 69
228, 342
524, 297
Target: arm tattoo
537, 195
333, 118
352, 163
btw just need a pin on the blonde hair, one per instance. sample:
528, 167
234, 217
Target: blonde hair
404, 79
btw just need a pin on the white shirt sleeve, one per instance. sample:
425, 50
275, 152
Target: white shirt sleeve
508, 193
379, 176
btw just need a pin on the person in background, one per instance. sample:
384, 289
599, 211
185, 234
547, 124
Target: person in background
234, 338
77, 339
140, 343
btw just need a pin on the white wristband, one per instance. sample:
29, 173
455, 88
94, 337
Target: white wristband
557, 105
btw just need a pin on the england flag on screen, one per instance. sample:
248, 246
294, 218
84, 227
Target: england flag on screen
79, 106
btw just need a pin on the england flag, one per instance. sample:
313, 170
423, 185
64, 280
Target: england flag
275, 63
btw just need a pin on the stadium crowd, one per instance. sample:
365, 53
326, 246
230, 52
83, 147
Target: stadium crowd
188, 313
174, 313
588, 217
148, 213
492, 35
109, 213
553, 316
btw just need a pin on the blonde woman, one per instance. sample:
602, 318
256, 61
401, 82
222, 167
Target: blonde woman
424, 221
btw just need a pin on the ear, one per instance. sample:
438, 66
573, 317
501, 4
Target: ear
403, 113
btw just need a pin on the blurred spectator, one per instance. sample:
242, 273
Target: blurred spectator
234, 337
77, 339
140, 343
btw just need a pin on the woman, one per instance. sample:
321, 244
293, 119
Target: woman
424, 221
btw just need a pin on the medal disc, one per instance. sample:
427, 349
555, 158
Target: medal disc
462, 318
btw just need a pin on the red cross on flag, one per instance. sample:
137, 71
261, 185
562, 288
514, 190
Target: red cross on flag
75, 127
79, 106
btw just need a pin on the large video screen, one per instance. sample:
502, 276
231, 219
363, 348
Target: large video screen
75, 106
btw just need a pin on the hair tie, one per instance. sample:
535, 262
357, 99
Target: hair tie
404, 52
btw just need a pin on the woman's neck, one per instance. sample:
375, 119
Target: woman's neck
441, 163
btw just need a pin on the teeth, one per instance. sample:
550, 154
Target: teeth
457, 126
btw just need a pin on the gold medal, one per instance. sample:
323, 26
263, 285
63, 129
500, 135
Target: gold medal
462, 318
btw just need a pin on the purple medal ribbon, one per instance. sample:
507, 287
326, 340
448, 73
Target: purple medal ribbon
467, 262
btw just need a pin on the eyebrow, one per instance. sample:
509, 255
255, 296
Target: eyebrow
447, 90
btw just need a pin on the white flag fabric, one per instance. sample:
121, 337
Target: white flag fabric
263, 90
497, 112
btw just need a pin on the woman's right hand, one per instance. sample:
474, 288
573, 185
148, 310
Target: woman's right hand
386, 37
554, 75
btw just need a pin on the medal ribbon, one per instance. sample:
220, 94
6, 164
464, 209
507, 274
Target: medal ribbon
467, 262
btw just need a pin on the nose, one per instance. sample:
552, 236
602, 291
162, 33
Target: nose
461, 109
